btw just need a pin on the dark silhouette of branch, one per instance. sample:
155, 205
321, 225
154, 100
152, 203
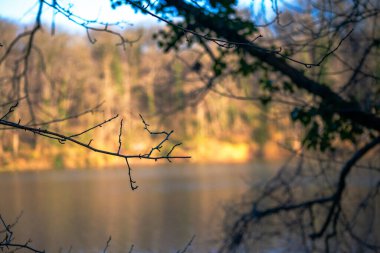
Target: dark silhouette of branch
227, 42
120, 133
7, 244
11, 109
131, 248
188, 245
229, 94
61, 138
107, 245
96, 126
337, 196
159, 146
92, 25
345, 109
359, 66
58, 120
73, 116
12, 102
332, 202
131, 181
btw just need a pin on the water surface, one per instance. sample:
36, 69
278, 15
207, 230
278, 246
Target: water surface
80, 209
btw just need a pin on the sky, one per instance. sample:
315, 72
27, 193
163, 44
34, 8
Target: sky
24, 11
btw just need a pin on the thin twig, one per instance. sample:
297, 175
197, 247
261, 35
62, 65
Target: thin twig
96, 126
131, 181
8, 242
107, 245
187, 245
11, 109
120, 132
73, 116
161, 143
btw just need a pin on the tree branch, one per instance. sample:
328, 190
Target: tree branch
346, 109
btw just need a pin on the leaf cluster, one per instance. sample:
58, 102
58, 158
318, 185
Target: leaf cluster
323, 127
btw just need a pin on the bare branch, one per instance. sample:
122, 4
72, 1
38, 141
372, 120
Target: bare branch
159, 145
8, 242
120, 132
131, 181
333, 202
92, 25
187, 245
96, 126
337, 197
73, 116
71, 138
11, 109
64, 138
225, 43
107, 245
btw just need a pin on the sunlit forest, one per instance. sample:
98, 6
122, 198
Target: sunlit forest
69, 76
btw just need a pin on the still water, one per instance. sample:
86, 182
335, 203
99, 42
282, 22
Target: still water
81, 209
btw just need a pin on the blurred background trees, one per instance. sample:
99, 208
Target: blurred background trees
68, 75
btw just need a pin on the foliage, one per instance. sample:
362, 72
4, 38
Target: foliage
233, 35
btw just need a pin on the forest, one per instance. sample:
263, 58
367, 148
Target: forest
70, 76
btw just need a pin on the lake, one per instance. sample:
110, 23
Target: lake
79, 210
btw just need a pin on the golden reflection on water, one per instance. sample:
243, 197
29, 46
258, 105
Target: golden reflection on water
81, 209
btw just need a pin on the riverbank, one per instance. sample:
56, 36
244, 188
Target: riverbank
71, 157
